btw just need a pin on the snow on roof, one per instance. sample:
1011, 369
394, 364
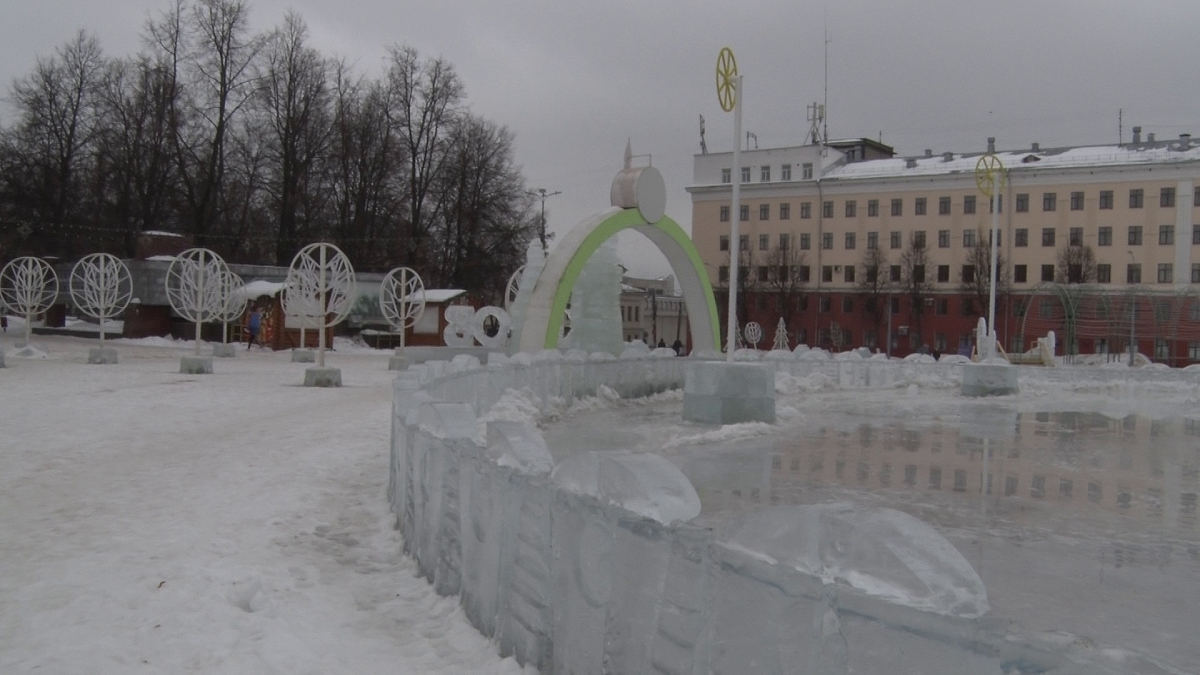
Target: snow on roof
160, 233
161, 258
1050, 158
439, 295
257, 289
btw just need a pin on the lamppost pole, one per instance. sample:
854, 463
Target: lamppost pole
542, 194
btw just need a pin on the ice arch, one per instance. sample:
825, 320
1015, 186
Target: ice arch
552, 291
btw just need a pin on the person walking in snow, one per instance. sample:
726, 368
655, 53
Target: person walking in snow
253, 327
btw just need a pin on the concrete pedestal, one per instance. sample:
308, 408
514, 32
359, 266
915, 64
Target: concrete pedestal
195, 365
225, 351
102, 355
303, 356
322, 377
989, 379
718, 392
398, 362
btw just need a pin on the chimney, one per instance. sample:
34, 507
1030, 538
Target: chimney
991, 143
947, 156
928, 152
910, 163
1137, 134
1036, 148
1149, 138
1185, 142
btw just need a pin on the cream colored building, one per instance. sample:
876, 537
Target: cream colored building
1133, 205
652, 311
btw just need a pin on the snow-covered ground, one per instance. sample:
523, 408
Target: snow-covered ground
230, 523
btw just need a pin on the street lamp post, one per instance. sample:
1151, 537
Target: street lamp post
729, 94
542, 194
990, 177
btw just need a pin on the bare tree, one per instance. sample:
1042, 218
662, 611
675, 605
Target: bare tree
785, 279
976, 277
1075, 265
874, 287
914, 278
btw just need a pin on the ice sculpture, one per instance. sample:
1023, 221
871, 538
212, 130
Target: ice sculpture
596, 303
520, 288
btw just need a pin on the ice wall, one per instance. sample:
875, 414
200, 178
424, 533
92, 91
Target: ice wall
594, 568
596, 303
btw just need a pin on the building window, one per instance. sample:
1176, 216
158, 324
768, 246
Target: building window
919, 206
764, 211
1196, 273
1166, 235
1022, 202
1166, 198
764, 273
725, 176
851, 208
1047, 272
824, 304
805, 276
724, 246
872, 241
943, 206
969, 204
744, 212
1104, 273
765, 174
806, 170
850, 241
723, 274
1019, 274
1196, 233
724, 214
872, 208
848, 274
968, 274
894, 273
1075, 236
785, 211
805, 241
992, 206
895, 239
1135, 198
1162, 350
1047, 236
1106, 199
827, 210
744, 242
895, 306
1104, 236
760, 301
1164, 273
968, 238
1133, 273
805, 210
942, 307
764, 242
943, 274
827, 241
943, 238
1049, 201
967, 307
918, 274
1076, 201
897, 207
918, 239
785, 241
827, 273
785, 172
1022, 237
745, 174
1135, 235
1193, 350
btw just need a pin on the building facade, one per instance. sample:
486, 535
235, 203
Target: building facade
652, 311
852, 246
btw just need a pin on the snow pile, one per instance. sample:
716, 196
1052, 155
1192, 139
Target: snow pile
728, 432
792, 385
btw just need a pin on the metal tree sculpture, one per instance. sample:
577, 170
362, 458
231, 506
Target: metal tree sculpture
402, 300
28, 286
754, 333
320, 288
781, 336
234, 303
195, 285
512, 289
101, 287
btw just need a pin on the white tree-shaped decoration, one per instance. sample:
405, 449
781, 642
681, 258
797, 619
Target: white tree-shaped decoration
512, 289
233, 303
402, 300
781, 336
754, 333
322, 280
195, 287
101, 287
28, 287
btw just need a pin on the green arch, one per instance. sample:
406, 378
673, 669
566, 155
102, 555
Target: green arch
680, 252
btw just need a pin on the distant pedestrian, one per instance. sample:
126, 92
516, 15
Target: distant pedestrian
662, 344
4, 322
253, 326
678, 347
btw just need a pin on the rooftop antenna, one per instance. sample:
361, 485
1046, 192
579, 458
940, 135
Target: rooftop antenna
816, 116
703, 145
825, 129
749, 135
1120, 128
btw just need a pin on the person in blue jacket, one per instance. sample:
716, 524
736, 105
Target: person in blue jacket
253, 328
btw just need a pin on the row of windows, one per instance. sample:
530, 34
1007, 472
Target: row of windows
1166, 199
764, 173
1075, 273
1104, 237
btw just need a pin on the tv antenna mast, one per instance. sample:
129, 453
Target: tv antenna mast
703, 145
749, 135
816, 117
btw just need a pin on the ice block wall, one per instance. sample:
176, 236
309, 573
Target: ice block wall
592, 566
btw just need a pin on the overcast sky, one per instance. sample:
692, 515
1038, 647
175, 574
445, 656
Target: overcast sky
574, 80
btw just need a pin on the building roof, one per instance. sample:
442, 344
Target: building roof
438, 295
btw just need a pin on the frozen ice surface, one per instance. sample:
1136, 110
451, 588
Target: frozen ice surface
880, 552
518, 445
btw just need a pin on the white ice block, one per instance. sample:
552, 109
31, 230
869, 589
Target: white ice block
989, 379
718, 392
520, 446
